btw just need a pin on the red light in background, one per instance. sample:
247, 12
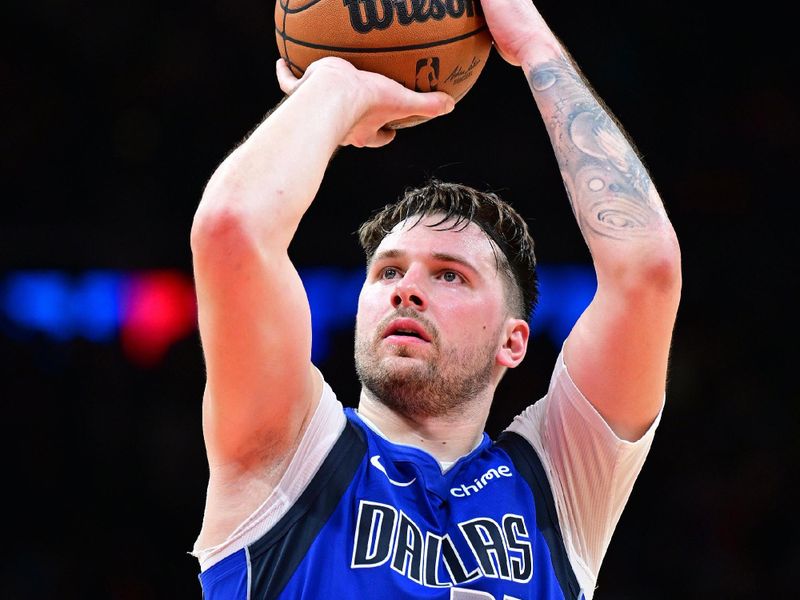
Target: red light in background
158, 309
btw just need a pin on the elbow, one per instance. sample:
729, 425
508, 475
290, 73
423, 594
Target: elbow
660, 267
228, 236
662, 273
232, 215
653, 269
225, 244
220, 217
667, 270
217, 229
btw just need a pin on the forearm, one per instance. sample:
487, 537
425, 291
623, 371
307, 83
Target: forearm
266, 184
616, 205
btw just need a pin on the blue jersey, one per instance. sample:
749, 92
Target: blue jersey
381, 520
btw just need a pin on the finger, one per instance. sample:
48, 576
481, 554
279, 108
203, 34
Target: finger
286, 79
427, 104
382, 137
505, 57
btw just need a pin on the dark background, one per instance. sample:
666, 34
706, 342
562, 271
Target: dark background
114, 117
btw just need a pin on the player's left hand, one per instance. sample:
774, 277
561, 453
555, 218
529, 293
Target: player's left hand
516, 27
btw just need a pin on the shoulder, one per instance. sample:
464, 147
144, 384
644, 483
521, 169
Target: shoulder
263, 500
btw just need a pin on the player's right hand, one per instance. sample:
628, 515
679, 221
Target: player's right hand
373, 99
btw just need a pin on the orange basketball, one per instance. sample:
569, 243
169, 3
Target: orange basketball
426, 45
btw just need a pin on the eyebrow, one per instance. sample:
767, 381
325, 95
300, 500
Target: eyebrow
440, 256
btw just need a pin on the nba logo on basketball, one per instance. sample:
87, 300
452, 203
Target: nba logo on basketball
427, 74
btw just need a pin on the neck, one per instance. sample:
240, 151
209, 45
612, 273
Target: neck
446, 437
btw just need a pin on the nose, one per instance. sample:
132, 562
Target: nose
407, 293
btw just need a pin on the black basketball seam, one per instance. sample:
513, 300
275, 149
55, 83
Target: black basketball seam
285, 48
297, 10
376, 50
293, 66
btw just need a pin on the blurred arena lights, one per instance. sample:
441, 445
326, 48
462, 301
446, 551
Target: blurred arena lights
148, 311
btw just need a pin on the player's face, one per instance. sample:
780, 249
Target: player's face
431, 318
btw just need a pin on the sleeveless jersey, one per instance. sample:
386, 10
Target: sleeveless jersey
381, 520
357, 516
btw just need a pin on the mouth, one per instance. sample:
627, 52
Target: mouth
406, 331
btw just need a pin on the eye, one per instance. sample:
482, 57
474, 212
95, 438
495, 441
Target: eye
451, 276
389, 273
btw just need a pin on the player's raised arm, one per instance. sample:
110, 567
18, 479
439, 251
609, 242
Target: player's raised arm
618, 351
254, 317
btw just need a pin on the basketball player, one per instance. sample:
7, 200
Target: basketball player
407, 497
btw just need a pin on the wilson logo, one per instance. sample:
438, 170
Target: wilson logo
366, 15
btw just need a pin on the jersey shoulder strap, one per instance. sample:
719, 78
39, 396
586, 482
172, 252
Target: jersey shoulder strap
275, 557
528, 464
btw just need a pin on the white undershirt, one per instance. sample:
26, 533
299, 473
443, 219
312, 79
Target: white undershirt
591, 471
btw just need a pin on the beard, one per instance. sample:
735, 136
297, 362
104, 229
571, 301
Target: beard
438, 385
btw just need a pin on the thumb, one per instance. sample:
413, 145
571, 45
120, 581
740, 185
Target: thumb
287, 80
429, 104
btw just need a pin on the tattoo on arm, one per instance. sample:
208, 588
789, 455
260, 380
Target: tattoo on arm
609, 189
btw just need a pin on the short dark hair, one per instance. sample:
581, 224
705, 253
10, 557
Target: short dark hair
459, 206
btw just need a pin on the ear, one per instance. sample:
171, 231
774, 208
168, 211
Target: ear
515, 343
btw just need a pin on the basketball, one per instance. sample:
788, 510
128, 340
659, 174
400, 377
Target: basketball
426, 45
